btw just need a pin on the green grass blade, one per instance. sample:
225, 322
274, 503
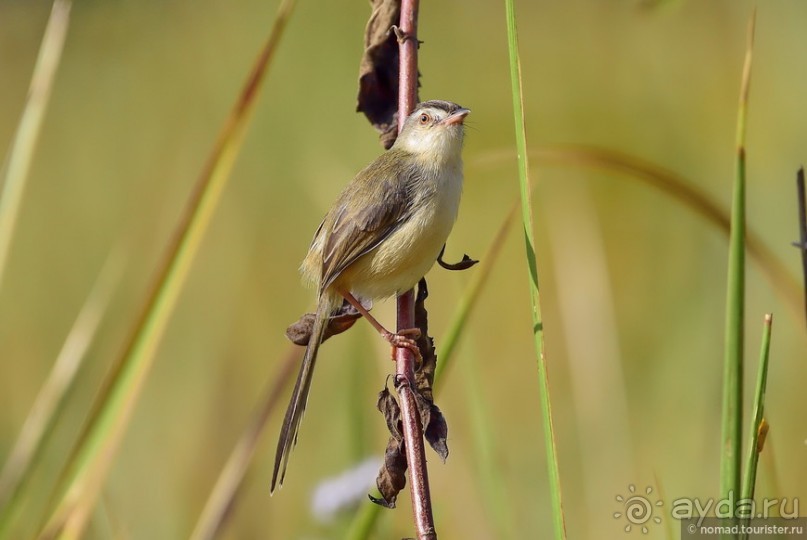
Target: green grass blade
21, 153
43, 415
98, 444
756, 434
732, 415
527, 218
759, 427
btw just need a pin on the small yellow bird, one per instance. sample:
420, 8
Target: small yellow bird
383, 233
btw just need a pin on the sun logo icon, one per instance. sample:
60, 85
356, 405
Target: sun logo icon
638, 509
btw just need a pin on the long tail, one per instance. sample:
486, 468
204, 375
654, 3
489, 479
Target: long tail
299, 398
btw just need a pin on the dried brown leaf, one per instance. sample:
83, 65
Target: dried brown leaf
435, 426
464, 264
391, 477
300, 332
436, 432
389, 407
378, 71
424, 373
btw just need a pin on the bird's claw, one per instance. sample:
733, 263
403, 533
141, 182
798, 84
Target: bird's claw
405, 339
403, 37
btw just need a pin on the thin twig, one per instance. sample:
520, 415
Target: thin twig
404, 359
802, 244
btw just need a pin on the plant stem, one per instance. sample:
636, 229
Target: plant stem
404, 359
756, 435
408, 64
731, 438
802, 245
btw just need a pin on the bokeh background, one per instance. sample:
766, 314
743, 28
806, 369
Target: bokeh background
633, 282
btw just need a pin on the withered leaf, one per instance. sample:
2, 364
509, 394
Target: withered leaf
464, 264
391, 477
424, 374
300, 332
437, 432
436, 428
389, 407
378, 71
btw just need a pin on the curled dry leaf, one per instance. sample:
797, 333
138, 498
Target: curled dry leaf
424, 373
437, 432
435, 426
388, 406
464, 264
378, 71
300, 332
391, 477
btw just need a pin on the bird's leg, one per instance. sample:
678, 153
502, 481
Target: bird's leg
400, 339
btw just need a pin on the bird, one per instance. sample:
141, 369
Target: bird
380, 237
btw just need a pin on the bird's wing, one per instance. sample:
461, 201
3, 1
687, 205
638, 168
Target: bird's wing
358, 229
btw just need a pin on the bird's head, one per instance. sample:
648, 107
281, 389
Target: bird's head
434, 131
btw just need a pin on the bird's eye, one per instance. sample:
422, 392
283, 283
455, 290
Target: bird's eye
425, 119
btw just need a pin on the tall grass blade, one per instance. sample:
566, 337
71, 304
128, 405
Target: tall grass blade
732, 414
21, 153
759, 427
49, 401
756, 436
527, 219
93, 454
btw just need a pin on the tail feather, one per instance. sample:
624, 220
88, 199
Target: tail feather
299, 397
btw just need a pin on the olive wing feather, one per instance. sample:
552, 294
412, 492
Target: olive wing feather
356, 229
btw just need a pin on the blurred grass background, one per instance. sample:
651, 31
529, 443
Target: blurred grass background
633, 283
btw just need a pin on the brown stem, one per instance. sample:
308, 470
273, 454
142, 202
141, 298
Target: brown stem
802, 196
404, 359
408, 65
412, 429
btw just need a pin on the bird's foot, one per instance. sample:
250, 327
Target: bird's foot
405, 339
403, 37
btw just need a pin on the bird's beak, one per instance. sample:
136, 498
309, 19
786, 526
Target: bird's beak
456, 117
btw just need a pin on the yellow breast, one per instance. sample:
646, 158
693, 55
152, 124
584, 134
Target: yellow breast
399, 262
